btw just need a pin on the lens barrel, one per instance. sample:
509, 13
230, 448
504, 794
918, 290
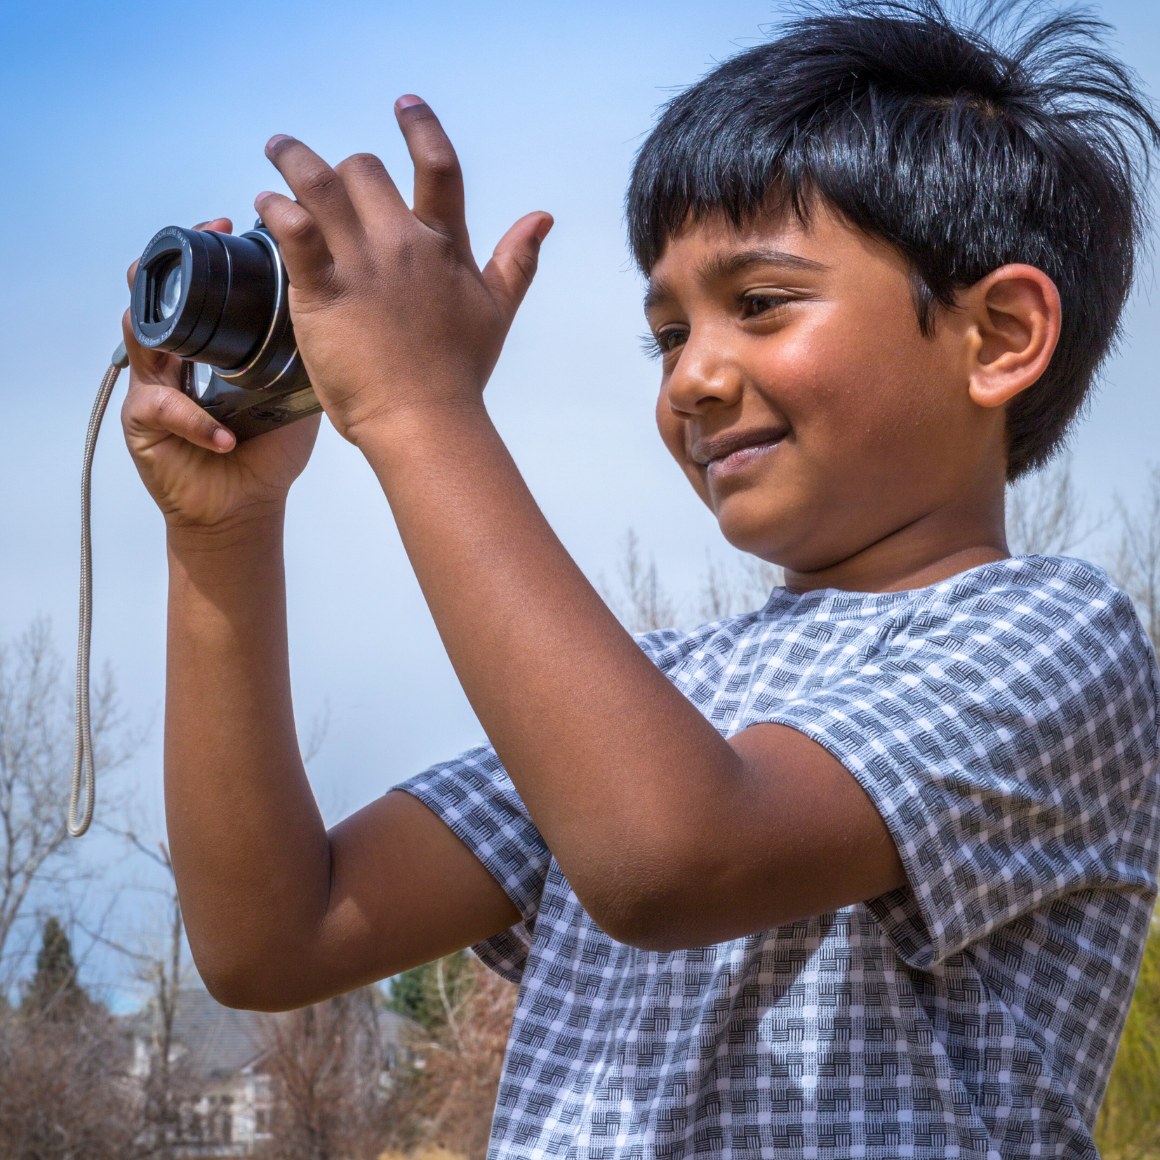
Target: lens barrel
222, 300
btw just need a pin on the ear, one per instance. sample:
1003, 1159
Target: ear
1014, 319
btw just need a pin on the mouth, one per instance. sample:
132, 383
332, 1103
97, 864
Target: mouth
733, 451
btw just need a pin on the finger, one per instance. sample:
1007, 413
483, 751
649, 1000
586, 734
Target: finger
145, 363
370, 187
319, 190
308, 259
438, 178
513, 265
155, 404
153, 410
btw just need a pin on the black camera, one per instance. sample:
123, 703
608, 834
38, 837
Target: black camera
220, 303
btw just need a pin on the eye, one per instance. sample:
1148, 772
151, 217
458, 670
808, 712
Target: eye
664, 342
754, 305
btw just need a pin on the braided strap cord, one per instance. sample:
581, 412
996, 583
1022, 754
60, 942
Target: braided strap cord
84, 769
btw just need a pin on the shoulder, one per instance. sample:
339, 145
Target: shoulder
1034, 663
1030, 585
1050, 612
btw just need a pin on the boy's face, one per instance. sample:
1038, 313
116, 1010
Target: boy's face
802, 400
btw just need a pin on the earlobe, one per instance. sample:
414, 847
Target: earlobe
1017, 317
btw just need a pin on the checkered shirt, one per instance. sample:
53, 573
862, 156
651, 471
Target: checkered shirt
1004, 722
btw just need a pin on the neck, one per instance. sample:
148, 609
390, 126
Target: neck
923, 552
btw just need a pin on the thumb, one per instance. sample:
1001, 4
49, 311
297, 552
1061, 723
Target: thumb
513, 265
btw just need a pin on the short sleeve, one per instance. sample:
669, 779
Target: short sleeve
1008, 737
475, 797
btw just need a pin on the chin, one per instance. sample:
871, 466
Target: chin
756, 528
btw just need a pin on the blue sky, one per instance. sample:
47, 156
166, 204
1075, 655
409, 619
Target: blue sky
121, 118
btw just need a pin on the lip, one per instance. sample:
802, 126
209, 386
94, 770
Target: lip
733, 451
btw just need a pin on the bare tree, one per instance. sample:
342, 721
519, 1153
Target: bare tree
1136, 564
326, 1063
447, 1098
642, 604
168, 1086
737, 586
63, 1068
727, 587
36, 742
1044, 513
63, 1090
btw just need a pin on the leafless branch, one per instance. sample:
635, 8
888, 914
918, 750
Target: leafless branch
1045, 516
642, 603
319, 728
36, 740
1136, 564
739, 585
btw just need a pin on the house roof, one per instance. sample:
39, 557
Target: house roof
221, 1041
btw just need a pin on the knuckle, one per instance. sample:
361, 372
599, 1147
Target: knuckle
160, 403
440, 163
362, 165
527, 264
321, 181
298, 225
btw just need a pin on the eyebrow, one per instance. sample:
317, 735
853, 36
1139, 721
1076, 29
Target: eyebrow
727, 264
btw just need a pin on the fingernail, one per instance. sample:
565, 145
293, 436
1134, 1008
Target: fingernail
277, 140
544, 228
202, 225
262, 196
407, 101
223, 439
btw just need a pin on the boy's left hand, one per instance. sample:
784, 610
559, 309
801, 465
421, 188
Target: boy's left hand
392, 314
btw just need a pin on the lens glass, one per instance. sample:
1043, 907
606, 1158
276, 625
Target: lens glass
201, 377
170, 293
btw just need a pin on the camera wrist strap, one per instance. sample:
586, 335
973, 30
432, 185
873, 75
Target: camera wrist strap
84, 784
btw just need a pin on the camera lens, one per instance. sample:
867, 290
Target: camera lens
216, 299
221, 304
170, 293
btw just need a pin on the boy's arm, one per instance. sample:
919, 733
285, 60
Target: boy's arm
669, 835
279, 913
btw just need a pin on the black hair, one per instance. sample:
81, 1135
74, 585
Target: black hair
922, 132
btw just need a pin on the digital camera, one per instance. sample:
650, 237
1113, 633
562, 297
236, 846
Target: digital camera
220, 303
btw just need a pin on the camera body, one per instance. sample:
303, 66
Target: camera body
220, 303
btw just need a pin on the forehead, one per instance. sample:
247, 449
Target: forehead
712, 249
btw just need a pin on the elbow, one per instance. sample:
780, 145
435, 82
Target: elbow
250, 985
658, 907
651, 925
242, 992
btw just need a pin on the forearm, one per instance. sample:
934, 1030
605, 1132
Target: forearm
250, 851
616, 767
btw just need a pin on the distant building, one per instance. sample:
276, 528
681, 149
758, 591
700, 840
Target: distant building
226, 1097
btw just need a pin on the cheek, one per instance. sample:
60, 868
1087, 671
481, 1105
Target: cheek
672, 432
854, 384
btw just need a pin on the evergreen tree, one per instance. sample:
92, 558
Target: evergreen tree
53, 993
429, 994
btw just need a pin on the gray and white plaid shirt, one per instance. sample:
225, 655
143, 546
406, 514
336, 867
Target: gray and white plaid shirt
1004, 722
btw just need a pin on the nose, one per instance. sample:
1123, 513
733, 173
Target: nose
706, 376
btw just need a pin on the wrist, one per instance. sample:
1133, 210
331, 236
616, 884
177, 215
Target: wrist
256, 529
418, 427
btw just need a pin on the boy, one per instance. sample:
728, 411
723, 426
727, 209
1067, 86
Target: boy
866, 872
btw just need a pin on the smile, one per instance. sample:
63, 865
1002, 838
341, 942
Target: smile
727, 454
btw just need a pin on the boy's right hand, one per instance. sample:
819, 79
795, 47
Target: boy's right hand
191, 465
